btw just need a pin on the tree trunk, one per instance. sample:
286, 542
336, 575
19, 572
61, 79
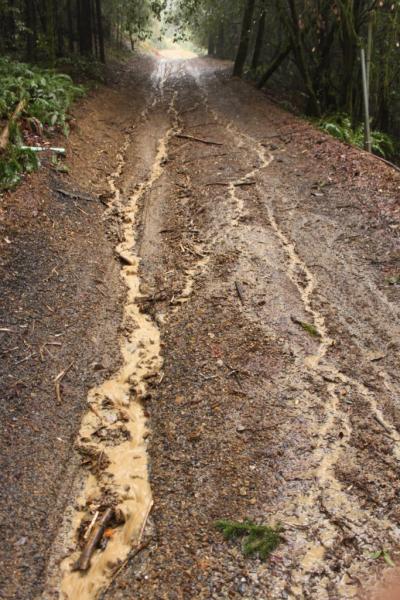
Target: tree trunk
86, 31
30, 16
211, 44
70, 27
94, 28
259, 41
220, 50
243, 47
313, 106
274, 66
58, 25
100, 31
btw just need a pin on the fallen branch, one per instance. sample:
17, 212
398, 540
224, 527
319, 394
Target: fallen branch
383, 424
239, 291
139, 547
5, 136
185, 136
83, 562
235, 184
74, 195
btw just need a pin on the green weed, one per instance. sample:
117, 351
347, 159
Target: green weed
311, 329
383, 554
258, 540
13, 163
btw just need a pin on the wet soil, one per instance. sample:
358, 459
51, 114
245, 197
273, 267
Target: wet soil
266, 259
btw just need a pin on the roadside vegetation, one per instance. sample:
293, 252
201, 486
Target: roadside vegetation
310, 53
34, 103
44, 45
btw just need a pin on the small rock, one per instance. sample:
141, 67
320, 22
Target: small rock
22, 541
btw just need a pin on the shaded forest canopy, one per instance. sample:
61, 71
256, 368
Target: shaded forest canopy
309, 48
312, 47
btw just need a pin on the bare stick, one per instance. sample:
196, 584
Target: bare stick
63, 373
139, 547
57, 382
235, 184
185, 136
74, 195
239, 291
89, 529
83, 562
383, 424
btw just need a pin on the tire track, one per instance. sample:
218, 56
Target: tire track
328, 498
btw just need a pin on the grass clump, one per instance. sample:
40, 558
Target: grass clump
259, 540
311, 329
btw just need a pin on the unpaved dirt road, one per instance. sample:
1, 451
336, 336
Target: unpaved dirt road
257, 374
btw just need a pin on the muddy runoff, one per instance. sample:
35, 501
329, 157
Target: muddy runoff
114, 430
309, 518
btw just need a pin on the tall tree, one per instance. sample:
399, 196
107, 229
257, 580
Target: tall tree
244, 41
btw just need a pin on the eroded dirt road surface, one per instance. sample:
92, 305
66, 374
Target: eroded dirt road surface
259, 373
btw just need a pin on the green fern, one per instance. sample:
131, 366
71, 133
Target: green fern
259, 540
340, 127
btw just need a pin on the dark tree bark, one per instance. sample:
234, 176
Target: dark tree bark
274, 66
100, 32
71, 36
59, 27
220, 49
211, 44
93, 21
244, 39
313, 106
9, 27
86, 31
259, 40
31, 34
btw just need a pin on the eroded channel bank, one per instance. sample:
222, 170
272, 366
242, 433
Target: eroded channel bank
114, 431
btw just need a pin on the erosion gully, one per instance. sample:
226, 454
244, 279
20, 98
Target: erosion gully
318, 510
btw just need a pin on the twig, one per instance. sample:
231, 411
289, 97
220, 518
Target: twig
89, 529
31, 355
131, 555
140, 546
83, 562
185, 136
58, 379
383, 424
63, 373
239, 291
235, 184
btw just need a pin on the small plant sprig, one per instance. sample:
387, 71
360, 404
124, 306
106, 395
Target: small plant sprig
383, 554
259, 540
